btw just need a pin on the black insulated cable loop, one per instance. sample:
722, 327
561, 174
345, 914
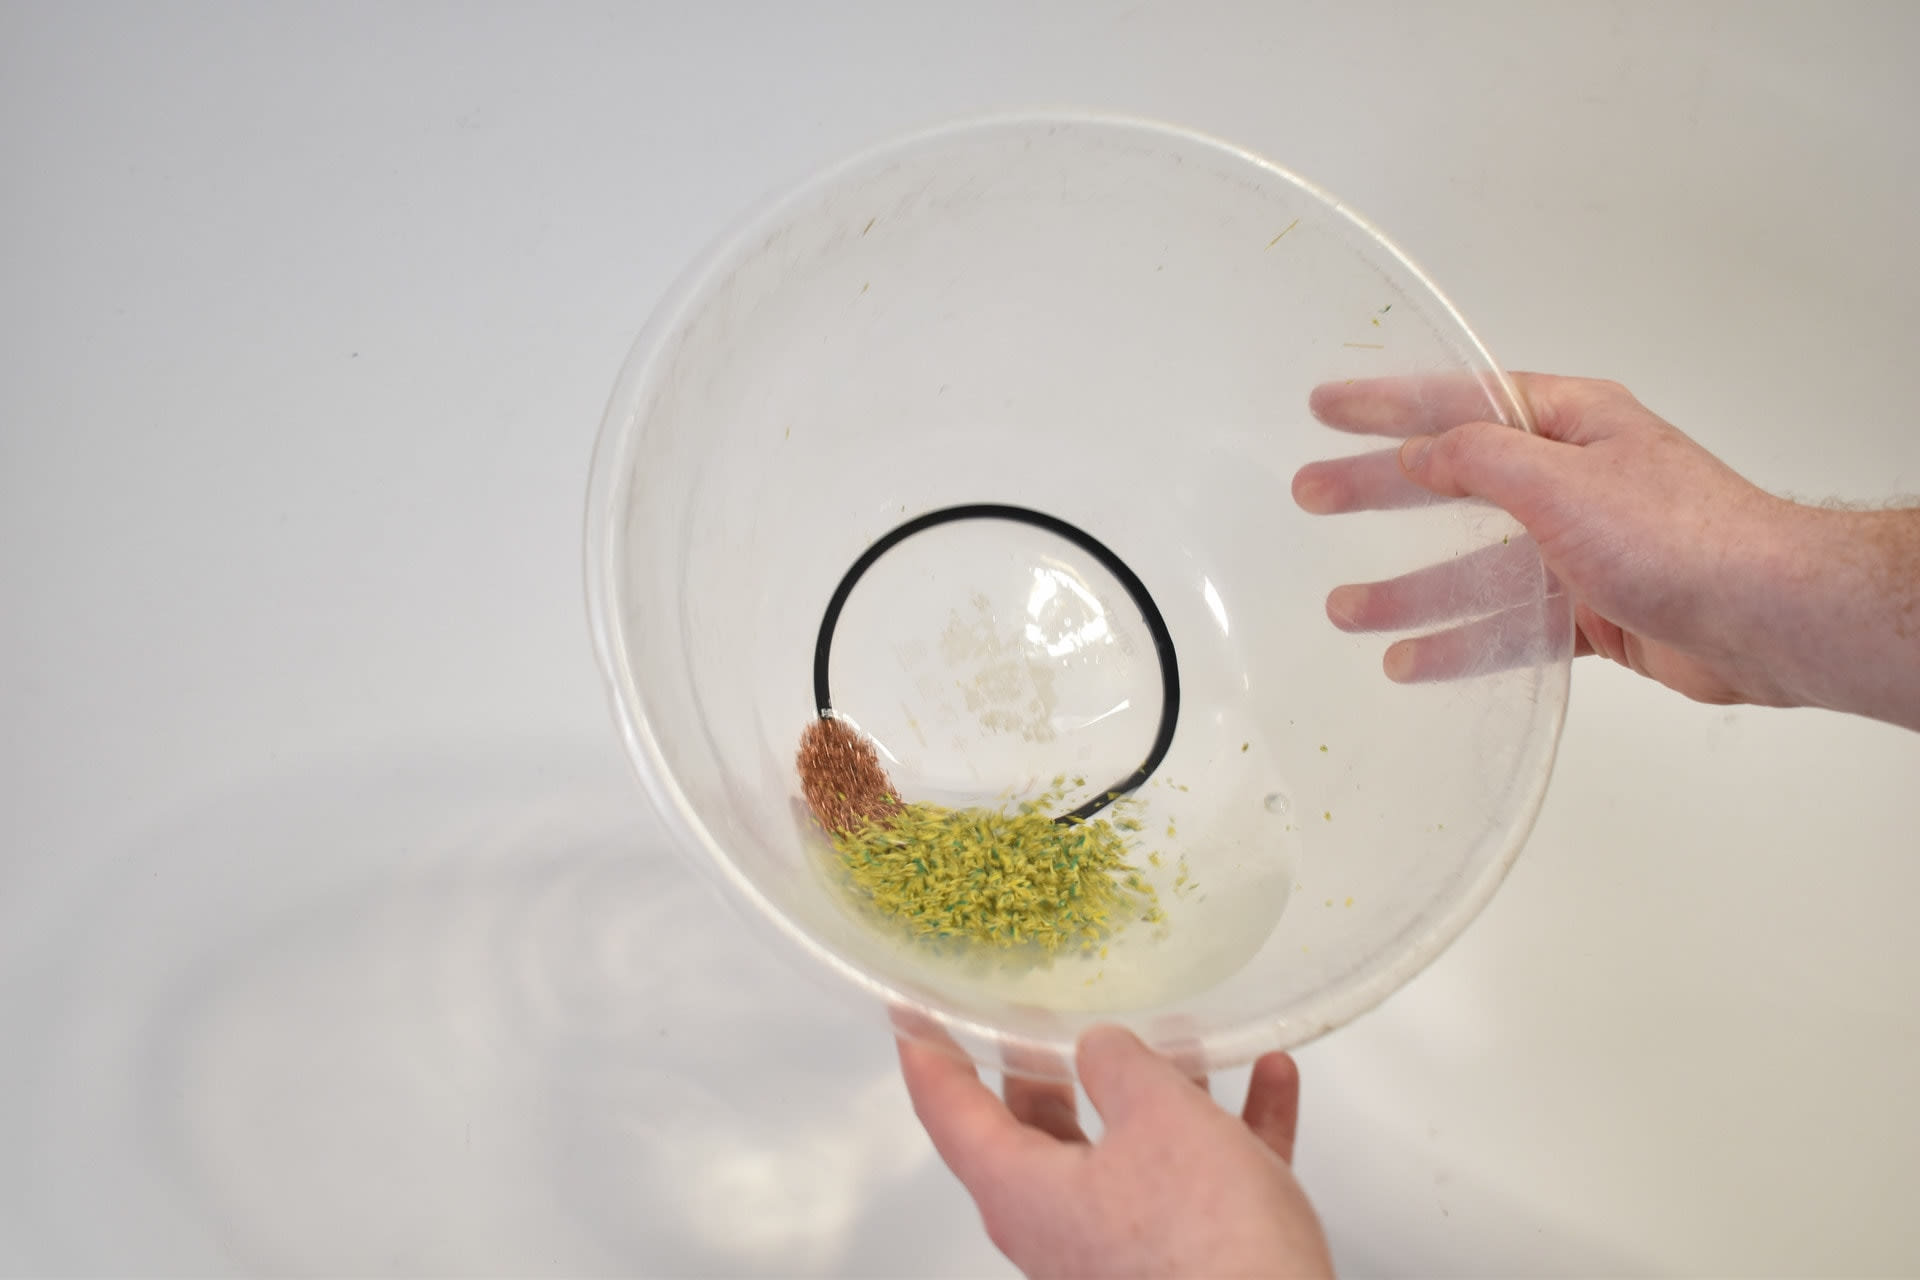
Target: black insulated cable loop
1142, 600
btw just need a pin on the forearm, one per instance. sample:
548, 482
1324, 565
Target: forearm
1842, 627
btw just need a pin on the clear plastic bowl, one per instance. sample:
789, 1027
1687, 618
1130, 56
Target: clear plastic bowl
1118, 325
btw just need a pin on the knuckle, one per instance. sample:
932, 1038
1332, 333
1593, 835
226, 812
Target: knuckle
1465, 444
999, 1231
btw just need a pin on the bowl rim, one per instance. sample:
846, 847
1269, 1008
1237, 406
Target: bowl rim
609, 479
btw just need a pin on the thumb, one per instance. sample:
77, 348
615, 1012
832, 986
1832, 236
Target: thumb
1509, 467
1124, 1078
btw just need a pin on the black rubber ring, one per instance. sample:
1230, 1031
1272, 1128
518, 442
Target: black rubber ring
1149, 613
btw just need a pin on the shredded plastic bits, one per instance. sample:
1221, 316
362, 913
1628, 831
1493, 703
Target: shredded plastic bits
1000, 878
1006, 879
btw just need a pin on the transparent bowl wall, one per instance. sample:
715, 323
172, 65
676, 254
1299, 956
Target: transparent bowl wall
1118, 323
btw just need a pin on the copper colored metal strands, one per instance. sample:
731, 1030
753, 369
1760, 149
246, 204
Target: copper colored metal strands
841, 777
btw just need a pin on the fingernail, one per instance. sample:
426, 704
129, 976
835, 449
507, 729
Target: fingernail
1344, 605
1310, 494
1399, 662
1414, 451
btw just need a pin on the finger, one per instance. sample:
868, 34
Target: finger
971, 1128
1430, 404
1512, 469
1364, 482
1045, 1105
1505, 575
1273, 1103
1125, 1079
1520, 637
1408, 405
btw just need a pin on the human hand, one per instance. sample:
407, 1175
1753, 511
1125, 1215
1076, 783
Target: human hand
1671, 557
1174, 1187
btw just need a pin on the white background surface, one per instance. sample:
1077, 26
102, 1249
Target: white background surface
334, 936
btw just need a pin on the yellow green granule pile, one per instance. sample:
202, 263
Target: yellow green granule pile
1006, 879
